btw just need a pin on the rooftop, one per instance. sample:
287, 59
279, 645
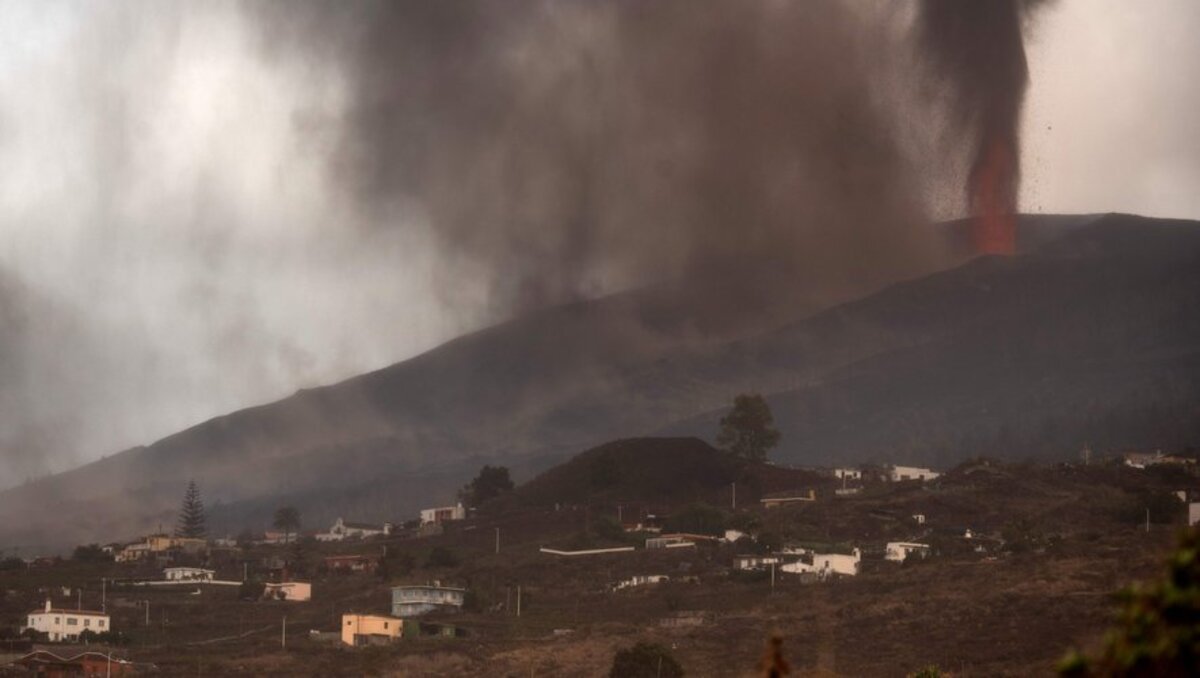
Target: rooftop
59, 610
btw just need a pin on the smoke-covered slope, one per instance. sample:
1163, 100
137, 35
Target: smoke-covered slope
1094, 340
1099, 314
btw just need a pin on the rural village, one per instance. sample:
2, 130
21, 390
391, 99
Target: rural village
664, 540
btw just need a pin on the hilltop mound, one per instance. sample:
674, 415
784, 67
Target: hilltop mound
636, 469
660, 471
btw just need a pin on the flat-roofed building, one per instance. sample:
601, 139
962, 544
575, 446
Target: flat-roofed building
359, 630
411, 601
61, 624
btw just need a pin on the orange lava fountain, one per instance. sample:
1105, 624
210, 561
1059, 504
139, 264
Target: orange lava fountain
994, 199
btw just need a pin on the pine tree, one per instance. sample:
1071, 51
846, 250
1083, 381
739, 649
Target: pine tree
192, 520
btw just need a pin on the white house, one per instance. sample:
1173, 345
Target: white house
66, 625
755, 562
442, 514
827, 564
899, 551
781, 498
133, 552
847, 473
188, 574
641, 580
1194, 513
344, 529
294, 591
670, 541
899, 473
410, 601
837, 563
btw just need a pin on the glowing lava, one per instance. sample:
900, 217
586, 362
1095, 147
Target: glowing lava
994, 199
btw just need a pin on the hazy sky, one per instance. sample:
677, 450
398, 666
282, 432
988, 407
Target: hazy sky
170, 248
1111, 114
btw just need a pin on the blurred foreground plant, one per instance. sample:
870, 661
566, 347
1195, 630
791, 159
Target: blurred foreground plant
1158, 626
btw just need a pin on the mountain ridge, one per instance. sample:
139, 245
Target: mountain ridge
539, 388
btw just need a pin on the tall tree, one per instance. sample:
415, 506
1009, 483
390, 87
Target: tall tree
287, 518
192, 520
748, 431
491, 482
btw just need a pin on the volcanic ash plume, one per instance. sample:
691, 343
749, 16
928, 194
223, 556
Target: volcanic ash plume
561, 149
977, 49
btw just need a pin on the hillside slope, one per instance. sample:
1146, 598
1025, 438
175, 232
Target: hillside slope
1093, 341
1095, 313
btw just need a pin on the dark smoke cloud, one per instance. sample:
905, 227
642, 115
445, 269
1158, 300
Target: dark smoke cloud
207, 205
976, 50
560, 148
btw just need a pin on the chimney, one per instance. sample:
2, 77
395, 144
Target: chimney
47, 604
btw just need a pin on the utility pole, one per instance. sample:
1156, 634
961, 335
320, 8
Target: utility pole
518, 600
733, 498
147, 602
283, 633
772, 578
245, 569
497, 540
1147, 519
79, 598
103, 593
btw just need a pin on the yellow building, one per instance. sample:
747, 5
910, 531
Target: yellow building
370, 629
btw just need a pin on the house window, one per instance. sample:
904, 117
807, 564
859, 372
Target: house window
385, 626
350, 622
87, 622
71, 621
100, 623
58, 620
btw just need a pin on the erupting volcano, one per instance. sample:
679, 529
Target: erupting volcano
978, 49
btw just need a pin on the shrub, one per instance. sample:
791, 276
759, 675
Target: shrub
698, 518
90, 553
441, 556
607, 527
251, 590
645, 660
396, 564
